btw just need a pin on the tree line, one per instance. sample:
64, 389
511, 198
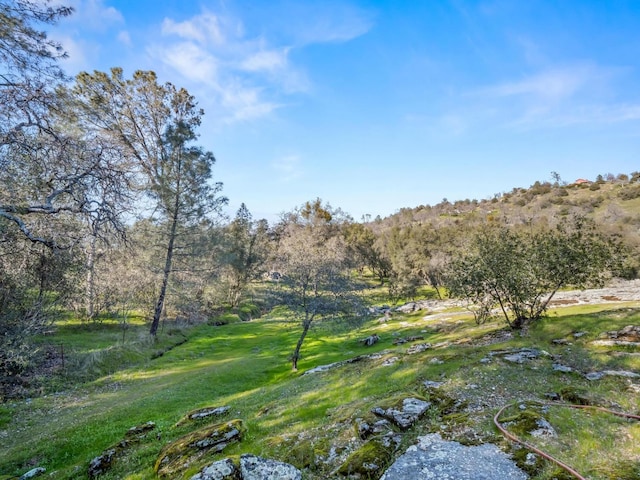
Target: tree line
108, 204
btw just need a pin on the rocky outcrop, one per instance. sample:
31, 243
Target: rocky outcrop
33, 473
251, 467
220, 470
176, 456
434, 458
103, 462
203, 413
628, 336
405, 413
342, 363
371, 458
257, 468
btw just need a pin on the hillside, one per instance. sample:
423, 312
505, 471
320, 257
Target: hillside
311, 420
612, 202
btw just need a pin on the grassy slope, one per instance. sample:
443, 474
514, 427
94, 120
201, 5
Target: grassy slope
293, 417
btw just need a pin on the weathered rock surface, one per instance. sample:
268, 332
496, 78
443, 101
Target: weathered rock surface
220, 470
628, 336
370, 340
611, 373
359, 358
258, 468
436, 459
372, 457
523, 355
251, 467
558, 367
405, 414
33, 473
103, 462
418, 348
365, 428
203, 413
177, 455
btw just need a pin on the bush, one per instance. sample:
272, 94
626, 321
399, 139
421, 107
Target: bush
629, 193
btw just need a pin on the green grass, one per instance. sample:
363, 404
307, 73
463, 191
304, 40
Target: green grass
109, 386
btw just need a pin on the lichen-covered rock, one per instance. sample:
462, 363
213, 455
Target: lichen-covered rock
102, 463
179, 454
140, 431
33, 473
257, 468
367, 427
404, 414
434, 458
202, 413
371, 458
418, 348
220, 470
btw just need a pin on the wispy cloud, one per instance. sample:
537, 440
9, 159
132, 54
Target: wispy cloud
580, 93
550, 85
289, 168
205, 29
246, 76
211, 51
94, 14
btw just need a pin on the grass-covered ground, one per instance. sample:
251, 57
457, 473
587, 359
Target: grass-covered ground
109, 383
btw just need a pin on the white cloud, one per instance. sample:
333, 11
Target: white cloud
554, 84
244, 103
245, 76
206, 28
328, 22
574, 94
266, 60
76, 60
93, 14
288, 167
192, 61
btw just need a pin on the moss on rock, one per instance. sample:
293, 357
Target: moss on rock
184, 451
371, 458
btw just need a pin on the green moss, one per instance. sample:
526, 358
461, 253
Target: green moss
575, 396
527, 461
524, 421
369, 460
622, 470
176, 456
445, 403
558, 473
307, 453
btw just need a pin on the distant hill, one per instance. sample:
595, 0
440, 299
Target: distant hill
612, 201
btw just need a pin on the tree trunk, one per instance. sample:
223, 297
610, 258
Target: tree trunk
165, 276
90, 292
296, 354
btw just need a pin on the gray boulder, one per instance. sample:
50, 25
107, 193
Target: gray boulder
405, 414
253, 467
33, 473
436, 459
220, 470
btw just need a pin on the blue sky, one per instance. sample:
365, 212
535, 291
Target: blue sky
378, 105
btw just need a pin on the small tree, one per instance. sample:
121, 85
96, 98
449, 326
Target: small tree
245, 252
316, 276
518, 272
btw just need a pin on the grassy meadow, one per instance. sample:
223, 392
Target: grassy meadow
110, 383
